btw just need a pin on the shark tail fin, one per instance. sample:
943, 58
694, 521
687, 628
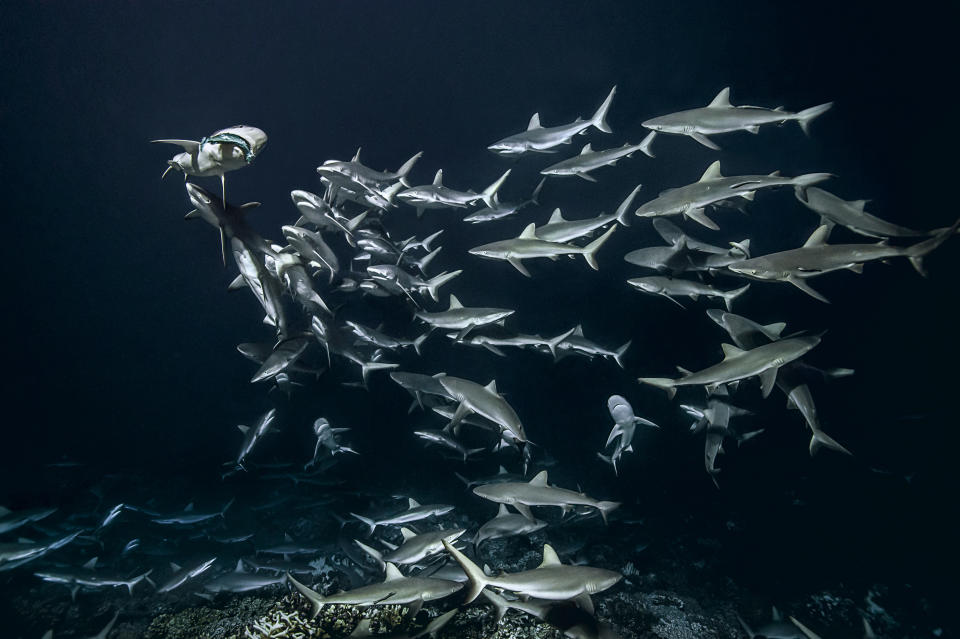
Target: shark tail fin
535, 196
590, 251
490, 192
315, 599
368, 367
660, 382
426, 259
732, 295
809, 179
477, 579
133, 582
618, 356
599, 119
918, 251
499, 604
647, 143
820, 439
417, 343
805, 117
610, 460
434, 283
606, 507
427, 241
405, 168
371, 524
470, 452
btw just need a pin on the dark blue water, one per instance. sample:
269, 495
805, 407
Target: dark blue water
121, 335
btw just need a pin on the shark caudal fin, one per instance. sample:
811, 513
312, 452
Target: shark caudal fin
624, 209
805, 117
918, 251
405, 168
417, 343
599, 119
618, 355
315, 599
371, 524
590, 250
478, 580
732, 295
434, 283
820, 439
556, 341
606, 507
133, 582
646, 143
491, 191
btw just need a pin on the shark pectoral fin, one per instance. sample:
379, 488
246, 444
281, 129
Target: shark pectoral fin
806, 288
223, 245
584, 603
494, 350
767, 380
517, 264
705, 141
458, 415
587, 177
464, 332
699, 216
524, 510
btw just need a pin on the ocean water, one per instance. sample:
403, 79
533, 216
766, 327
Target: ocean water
124, 384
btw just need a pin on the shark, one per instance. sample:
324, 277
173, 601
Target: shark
537, 492
190, 517
438, 196
461, 318
625, 425
253, 436
382, 340
588, 159
851, 214
415, 547
720, 116
217, 154
816, 257
419, 386
572, 622
576, 342
444, 439
355, 175
712, 188
395, 589
493, 344
228, 219
485, 401
183, 575
391, 275
558, 229
16, 554
669, 287
500, 210
542, 139
87, 577
414, 512
507, 524
239, 580
285, 355
312, 248
550, 580
11, 520
528, 246
763, 361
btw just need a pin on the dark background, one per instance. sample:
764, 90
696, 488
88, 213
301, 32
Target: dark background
120, 334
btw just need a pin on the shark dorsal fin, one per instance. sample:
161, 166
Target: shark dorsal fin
492, 386
530, 232
774, 173
503, 512
438, 178
858, 204
412, 503
24, 540
239, 567
243, 429
356, 156
393, 573
534, 122
407, 533
730, 351
556, 217
712, 172
775, 614
287, 538
587, 148
775, 329
4, 511
818, 237
540, 479
578, 331
502, 471
454, 302
175, 567
722, 99
550, 557
189, 508
91, 564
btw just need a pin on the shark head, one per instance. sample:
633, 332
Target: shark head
668, 124
419, 195
487, 250
648, 286
507, 147
385, 272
